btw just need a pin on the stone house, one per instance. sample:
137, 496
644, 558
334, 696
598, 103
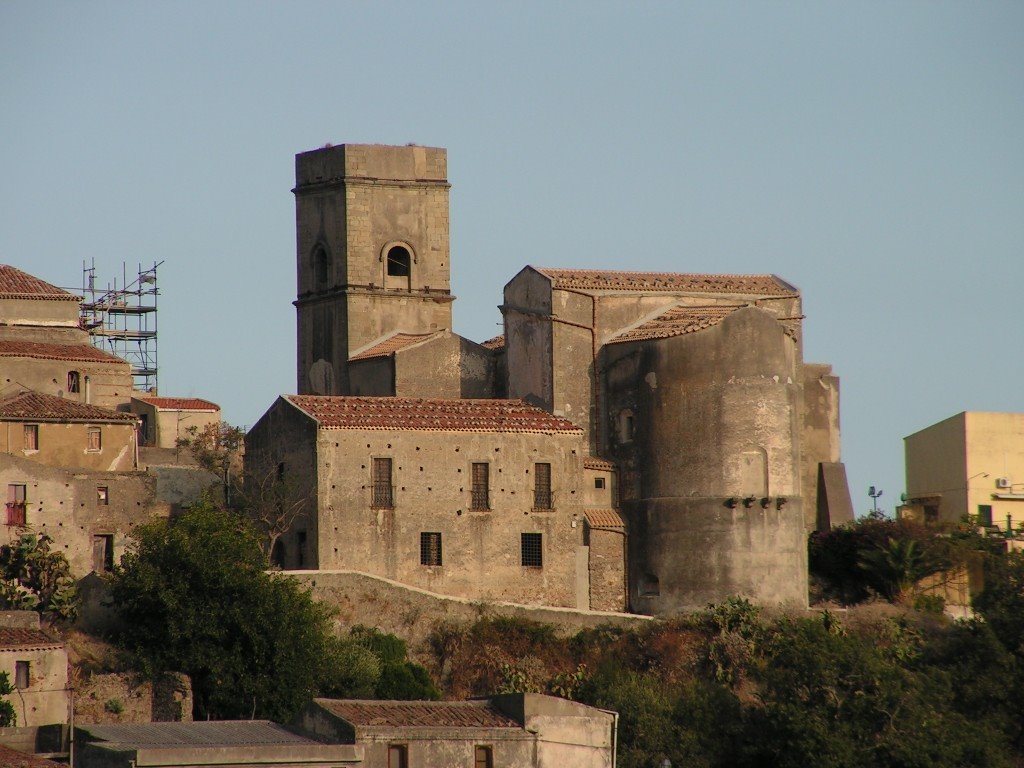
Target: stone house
163, 420
36, 664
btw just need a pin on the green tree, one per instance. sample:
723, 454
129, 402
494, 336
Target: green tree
399, 678
194, 596
8, 715
36, 579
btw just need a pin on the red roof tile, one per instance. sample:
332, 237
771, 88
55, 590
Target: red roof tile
392, 344
421, 714
12, 758
39, 407
20, 639
180, 403
604, 518
676, 322
612, 280
593, 462
15, 284
498, 342
84, 353
398, 413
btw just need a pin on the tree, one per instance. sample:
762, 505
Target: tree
194, 596
8, 715
217, 448
36, 579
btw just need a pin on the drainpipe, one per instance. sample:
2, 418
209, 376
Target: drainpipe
88, 391
615, 732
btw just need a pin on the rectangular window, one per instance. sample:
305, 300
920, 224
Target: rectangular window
985, 515
300, 538
398, 756
482, 757
22, 673
95, 440
599, 482
430, 548
73, 382
16, 505
533, 556
383, 496
31, 437
103, 553
481, 494
102, 495
542, 486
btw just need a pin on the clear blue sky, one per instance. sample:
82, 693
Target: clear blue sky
872, 153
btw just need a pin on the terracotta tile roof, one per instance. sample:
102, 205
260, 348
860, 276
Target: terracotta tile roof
604, 518
498, 342
611, 280
11, 758
421, 714
15, 284
21, 639
84, 353
407, 413
675, 322
180, 403
39, 407
392, 344
593, 462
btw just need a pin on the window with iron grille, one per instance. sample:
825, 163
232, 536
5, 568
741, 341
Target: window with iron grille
16, 505
533, 556
383, 495
31, 437
430, 548
481, 486
542, 486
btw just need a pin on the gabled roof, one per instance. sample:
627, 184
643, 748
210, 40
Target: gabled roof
676, 321
36, 406
593, 462
83, 353
23, 639
15, 284
179, 403
673, 282
419, 714
604, 518
408, 413
392, 344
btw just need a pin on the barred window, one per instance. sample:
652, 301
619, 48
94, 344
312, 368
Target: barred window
481, 486
533, 556
542, 486
383, 491
430, 548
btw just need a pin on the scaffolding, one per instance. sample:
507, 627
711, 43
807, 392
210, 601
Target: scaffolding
122, 320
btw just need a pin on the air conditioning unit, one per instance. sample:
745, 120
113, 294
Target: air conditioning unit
1002, 482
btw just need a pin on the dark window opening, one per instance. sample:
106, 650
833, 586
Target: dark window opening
542, 486
398, 756
985, 515
300, 539
383, 491
74, 382
277, 554
482, 757
280, 472
599, 482
103, 495
16, 505
430, 548
931, 513
22, 674
399, 262
103, 553
481, 486
532, 550
649, 585
321, 267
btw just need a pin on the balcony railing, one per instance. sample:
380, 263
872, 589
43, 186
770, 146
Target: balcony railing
480, 499
542, 499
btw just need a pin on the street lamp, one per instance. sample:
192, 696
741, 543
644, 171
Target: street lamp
874, 498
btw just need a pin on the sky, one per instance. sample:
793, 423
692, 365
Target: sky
870, 153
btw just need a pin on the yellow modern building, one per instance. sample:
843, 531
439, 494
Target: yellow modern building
969, 464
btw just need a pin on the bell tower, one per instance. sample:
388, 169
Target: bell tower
372, 253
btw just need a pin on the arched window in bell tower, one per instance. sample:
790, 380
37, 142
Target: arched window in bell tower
321, 268
398, 260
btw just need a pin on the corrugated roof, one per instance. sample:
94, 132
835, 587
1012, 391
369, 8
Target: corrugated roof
216, 733
22, 639
676, 321
407, 413
593, 462
180, 403
498, 342
419, 714
78, 352
37, 406
612, 280
392, 344
604, 518
15, 284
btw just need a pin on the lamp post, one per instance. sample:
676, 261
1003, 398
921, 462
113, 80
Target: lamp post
874, 499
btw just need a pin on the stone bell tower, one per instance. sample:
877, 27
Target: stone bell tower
372, 253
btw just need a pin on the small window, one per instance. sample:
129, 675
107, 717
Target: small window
481, 491
74, 382
542, 486
649, 585
95, 440
321, 267
627, 425
398, 756
399, 262
16, 505
300, 540
430, 548
277, 554
599, 483
383, 490
103, 553
280, 472
533, 556
22, 674
483, 757
985, 515
31, 437
102, 495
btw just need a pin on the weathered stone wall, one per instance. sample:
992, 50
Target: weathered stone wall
607, 555
528, 339
107, 385
820, 438
127, 698
67, 444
